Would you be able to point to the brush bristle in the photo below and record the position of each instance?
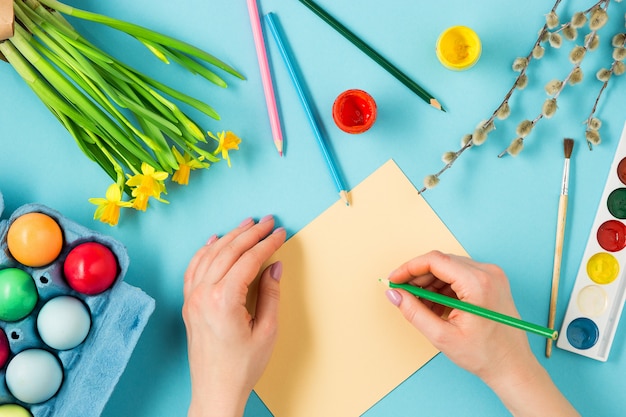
(568, 145)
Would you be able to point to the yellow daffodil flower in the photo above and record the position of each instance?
(185, 165)
(227, 141)
(145, 185)
(108, 210)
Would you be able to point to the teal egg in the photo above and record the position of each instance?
(18, 294)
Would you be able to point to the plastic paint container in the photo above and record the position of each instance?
(458, 48)
(354, 111)
(599, 292)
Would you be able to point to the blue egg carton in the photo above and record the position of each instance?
(118, 317)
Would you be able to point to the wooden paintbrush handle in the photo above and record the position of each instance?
(556, 272)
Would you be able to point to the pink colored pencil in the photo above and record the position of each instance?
(266, 77)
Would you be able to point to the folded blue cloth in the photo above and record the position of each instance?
(119, 315)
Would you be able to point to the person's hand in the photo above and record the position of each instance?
(474, 343)
(499, 354)
(229, 347)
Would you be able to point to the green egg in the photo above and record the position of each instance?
(18, 294)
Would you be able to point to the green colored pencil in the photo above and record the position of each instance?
(378, 58)
(474, 309)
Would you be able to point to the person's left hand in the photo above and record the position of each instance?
(228, 346)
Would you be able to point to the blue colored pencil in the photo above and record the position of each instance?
(273, 25)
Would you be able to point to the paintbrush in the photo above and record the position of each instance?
(568, 145)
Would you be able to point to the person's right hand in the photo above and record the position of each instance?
(499, 354)
(474, 343)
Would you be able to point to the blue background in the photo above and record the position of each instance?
(501, 210)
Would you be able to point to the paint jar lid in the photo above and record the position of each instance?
(354, 111)
(458, 48)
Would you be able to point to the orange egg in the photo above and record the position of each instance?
(35, 239)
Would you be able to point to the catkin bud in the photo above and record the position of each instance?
(577, 54)
(480, 136)
(592, 40)
(521, 82)
(619, 40)
(593, 137)
(524, 128)
(594, 123)
(570, 33)
(488, 126)
(552, 20)
(578, 20)
(555, 40)
(543, 35)
(576, 76)
(538, 52)
(520, 63)
(448, 157)
(515, 147)
(503, 111)
(619, 68)
(549, 107)
(553, 87)
(598, 19)
(603, 75)
(466, 139)
(619, 53)
(431, 181)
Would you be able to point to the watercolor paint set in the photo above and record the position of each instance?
(599, 292)
(66, 334)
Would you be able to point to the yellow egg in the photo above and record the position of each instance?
(14, 410)
(35, 239)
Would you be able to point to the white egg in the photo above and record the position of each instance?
(63, 322)
(34, 376)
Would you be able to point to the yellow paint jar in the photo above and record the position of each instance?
(458, 48)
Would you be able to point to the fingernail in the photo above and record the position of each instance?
(212, 239)
(394, 296)
(276, 270)
(266, 218)
(246, 222)
(278, 229)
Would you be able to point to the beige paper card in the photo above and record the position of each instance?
(342, 346)
(6, 19)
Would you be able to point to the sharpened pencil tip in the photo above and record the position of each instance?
(435, 103)
(344, 196)
(279, 146)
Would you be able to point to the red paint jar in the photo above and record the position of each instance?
(354, 111)
(611, 235)
(621, 171)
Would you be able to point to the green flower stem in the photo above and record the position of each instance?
(194, 66)
(83, 73)
(84, 84)
(70, 92)
(93, 150)
(73, 121)
(199, 105)
(62, 52)
(43, 90)
(142, 33)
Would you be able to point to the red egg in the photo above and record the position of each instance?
(4, 348)
(90, 268)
